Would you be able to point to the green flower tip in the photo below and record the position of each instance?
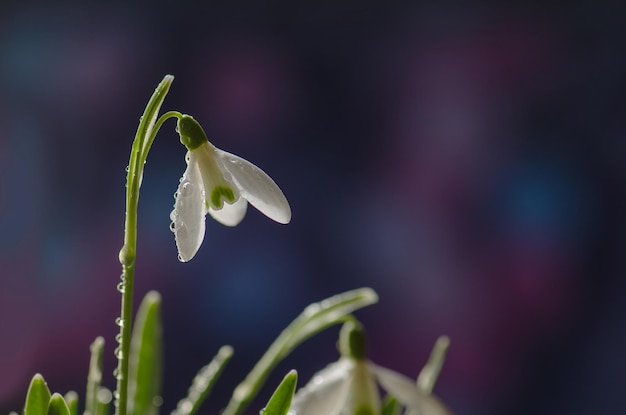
(191, 133)
(220, 192)
(352, 341)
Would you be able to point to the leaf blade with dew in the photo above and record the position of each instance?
(146, 358)
(318, 316)
(57, 405)
(71, 398)
(203, 383)
(315, 318)
(94, 377)
(280, 401)
(37, 397)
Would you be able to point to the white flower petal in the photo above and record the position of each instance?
(230, 215)
(327, 393)
(406, 391)
(189, 211)
(364, 396)
(255, 186)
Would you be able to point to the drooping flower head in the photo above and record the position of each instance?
(220, 184)
(350, 385)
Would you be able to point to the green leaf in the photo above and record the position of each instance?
(315, 318)
(38, 397)
(57, 405)
(146, 358)
(319, 316)
(280, 401)
(429, 374)
(94, 378)
(203, 383)
(391, 406)
(71, 398)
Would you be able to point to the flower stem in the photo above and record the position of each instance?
(148, 127)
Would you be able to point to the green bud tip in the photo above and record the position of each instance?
(191, 133)
(352, 341)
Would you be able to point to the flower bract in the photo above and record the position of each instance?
(220, 184)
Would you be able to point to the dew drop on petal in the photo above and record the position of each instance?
(185, 189)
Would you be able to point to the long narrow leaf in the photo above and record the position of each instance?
(280, 401)
(94, 378)
(38, 397)
(146, 358)
(428, 375)
(315, 318)
(204, 382)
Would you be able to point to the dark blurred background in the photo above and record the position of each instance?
(468, 163)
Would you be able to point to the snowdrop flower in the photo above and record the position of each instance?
(349, 386)
(220, 184)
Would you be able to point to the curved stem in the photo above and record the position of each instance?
(153, 133)
(148, 127)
